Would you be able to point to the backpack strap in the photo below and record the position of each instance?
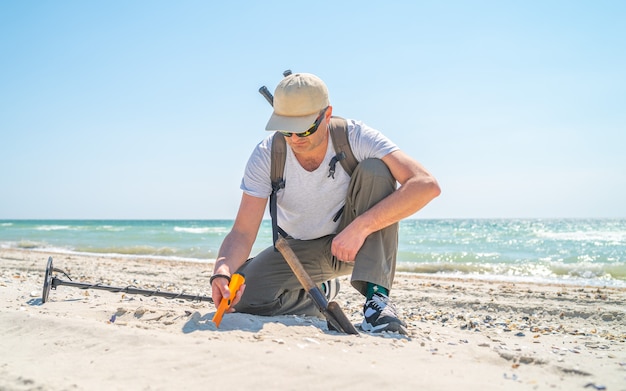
(339, 133)
(278, 157)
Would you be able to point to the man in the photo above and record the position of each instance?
(336, 224)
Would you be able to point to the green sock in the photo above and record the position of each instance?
(373, 288)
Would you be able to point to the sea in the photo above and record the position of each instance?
(563, 251)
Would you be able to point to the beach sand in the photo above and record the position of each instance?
(465, 334)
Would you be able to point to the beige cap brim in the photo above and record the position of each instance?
(291, 124)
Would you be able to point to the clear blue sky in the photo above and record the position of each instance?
(149, 109)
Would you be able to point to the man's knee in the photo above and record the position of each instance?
(373, 166)
(374, 175)
(371, 182)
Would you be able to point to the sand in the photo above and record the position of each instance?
(465, 334)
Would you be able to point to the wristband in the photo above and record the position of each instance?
(213, 277)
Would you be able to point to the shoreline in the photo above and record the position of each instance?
(614, 283)
(463, 333)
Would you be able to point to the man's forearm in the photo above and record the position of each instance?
(233, 253)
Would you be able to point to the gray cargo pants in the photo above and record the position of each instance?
(273, 289)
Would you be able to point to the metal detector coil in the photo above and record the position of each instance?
(47, 281)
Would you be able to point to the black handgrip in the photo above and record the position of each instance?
(267, 95)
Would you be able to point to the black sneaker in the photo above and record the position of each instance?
(330, 288)
(380, 315)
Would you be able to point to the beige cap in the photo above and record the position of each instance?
(298, 100)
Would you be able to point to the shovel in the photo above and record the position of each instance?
(332, 311)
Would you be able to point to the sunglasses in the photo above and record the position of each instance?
(310, 130)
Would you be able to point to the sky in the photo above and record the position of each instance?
(150, 109)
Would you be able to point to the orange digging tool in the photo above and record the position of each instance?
(236, 281)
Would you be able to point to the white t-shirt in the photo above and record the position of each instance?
(310, 200)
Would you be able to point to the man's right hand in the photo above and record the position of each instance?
(220, 292)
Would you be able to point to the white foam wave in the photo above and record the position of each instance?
(586, 236)
(111, 228)
(54, 228)
(554, 271)
(201, 230)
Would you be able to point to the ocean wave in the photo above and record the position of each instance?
(55, 228)
(130, 250)
(150, 251)
(586, 236)
(582, 273)
(33, 245)
(110, 228)
(86, 228)
(29, 244)
(202, 230)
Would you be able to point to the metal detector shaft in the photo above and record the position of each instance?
(129, 289)
(51, 282)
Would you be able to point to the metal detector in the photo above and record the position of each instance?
(52, 281)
